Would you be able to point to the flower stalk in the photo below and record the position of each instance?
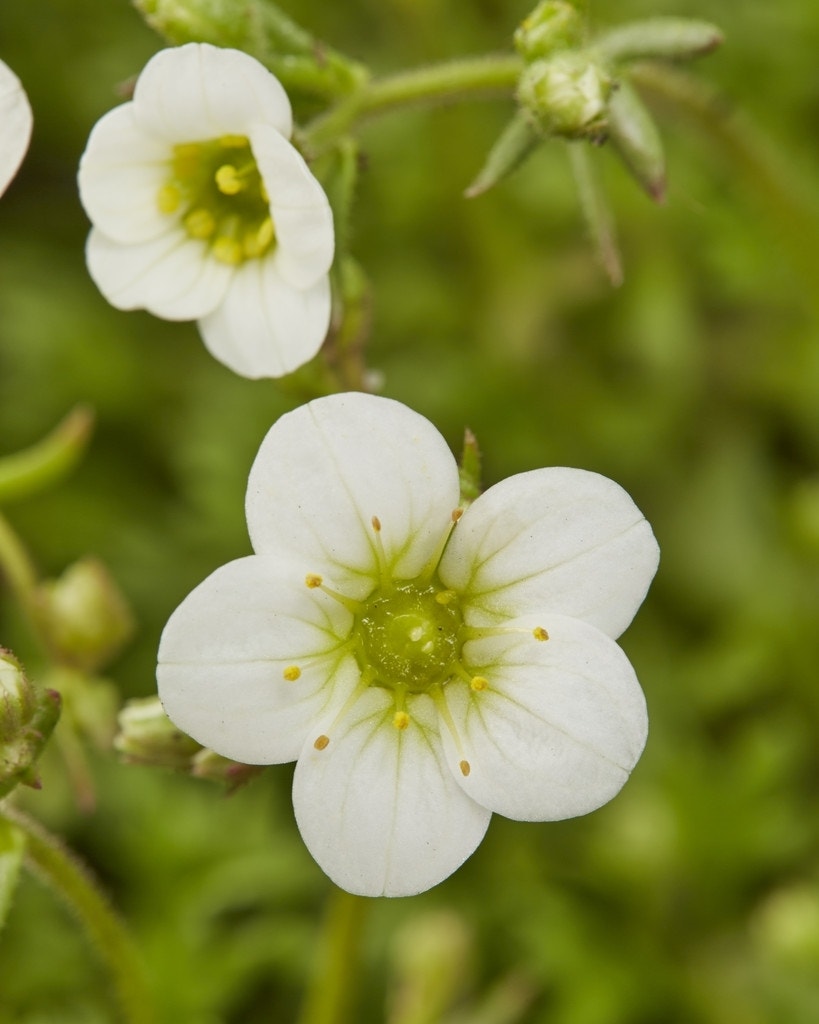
(50, 861)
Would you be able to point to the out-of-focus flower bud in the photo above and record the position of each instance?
(84, 615)
(147, 736)
(231, 774)
(514, 144)
(634, 135)
(27, 718)
(552, 25)
(567, 95)
(659, 39)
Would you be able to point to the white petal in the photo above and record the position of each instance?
(224, 651)
(121, 172)
(377, 807)
(300, 209)
(171, 276)
(197, 92)
(560, 727)
(325, 469)
(264, 327)
(15, 125)
(553, 540)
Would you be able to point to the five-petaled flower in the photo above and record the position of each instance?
(425, 665)
(15, 125)
(203, 210)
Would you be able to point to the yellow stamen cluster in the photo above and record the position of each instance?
(216, 190)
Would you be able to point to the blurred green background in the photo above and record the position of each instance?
(694, 896)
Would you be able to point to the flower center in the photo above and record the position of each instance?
(216, 190)
(409, 635)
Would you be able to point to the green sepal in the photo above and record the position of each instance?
(469, 469)
(28, 715)
(659, 39)
(517, 140)
(45, 463)
(634, 135)
(12, 848)
(300, 61)
(596, 212)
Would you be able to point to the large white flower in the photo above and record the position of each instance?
(424, 667)
(15, 125)
(203, 210)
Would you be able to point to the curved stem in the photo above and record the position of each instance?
(439, 83)
(47, 858)
(329, 998)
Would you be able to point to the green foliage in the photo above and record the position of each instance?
(694, 897)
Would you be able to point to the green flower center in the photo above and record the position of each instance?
(410, 636)
(216, 190)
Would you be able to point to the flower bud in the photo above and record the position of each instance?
(84, 615)
(27, 718)
(552, 25)
(147, 736)
(567, 95)
(231, 774)
(659, 39)
(634, 135)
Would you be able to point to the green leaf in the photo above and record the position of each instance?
(12, 847)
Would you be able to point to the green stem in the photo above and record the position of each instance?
(47, 858)
(439, 83)
(329, 998)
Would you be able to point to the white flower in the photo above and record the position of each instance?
(202, 210)
(15, 125)
(425, 668)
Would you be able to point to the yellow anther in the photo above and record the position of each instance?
(321, 742)
(292, 673)
(445, 597)
(313, 580)
(227, 250)
(233, 141)
(456, 514)
(228, 180)
(479, 683)
(258, 240)
(539, 633)
(465, 768)
(376, 524)
(200, 223)
(263, 191)
(401, 720)
(169, 198)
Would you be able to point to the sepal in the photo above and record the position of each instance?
(634, 135)
(517, 140)
(659, 39)
(28, 715)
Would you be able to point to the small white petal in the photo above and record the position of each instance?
(325, 469)
(15, 125)
(264, 327)
(559, 728)
(556, 540)
(224, 651)
(301, 212)
(121, 173)
(197, 92)
(171, 276)
(378, 808)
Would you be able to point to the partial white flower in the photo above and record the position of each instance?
(203, 210)
(424, 666)
(15, 125)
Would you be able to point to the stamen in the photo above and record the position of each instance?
(465, 768)
(200, 223)
(321, 742)
(316, 582)
(229, 180)
(233, 141)
(433, 563)
(169, 198)
(227, 250)
(292, 673)
(384, 574)
(258, 240)
(540, 633)
(479, 683)
(437, 695)
(482, 632)
(401, 720)
(446, 597)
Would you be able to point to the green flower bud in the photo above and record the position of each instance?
(84, 615)
(634, 135)
(659, 39)
(567, 95)
(27, 718)
(147, 736)
(231, 774)
(552, 25)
